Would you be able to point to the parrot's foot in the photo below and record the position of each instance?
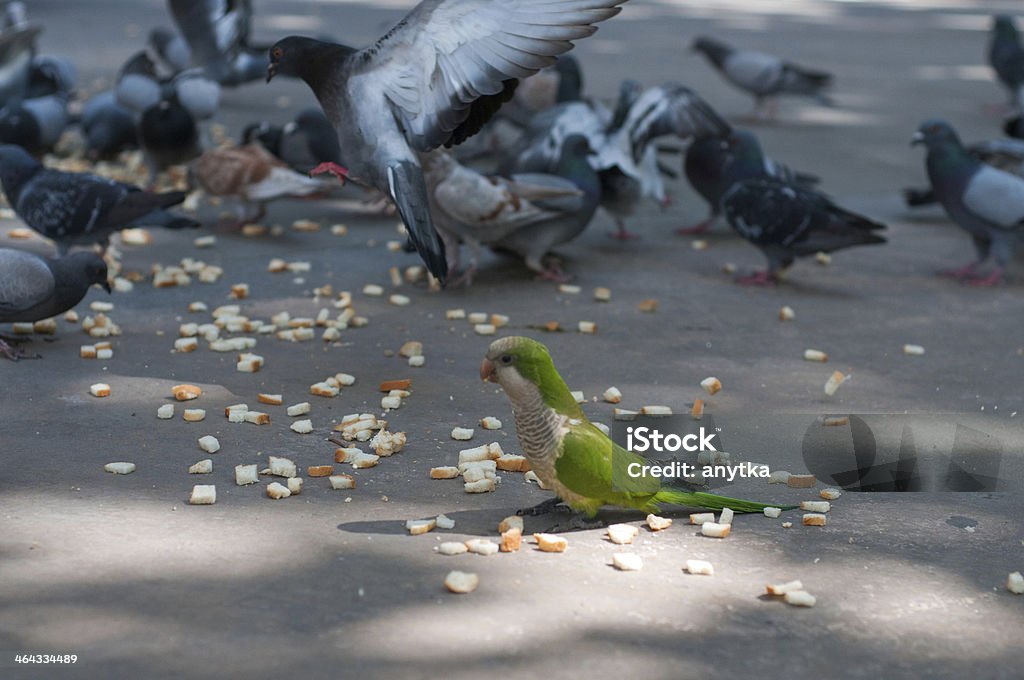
(992, 279)
(759, 278)
(960, 272)
(15, 354)
(332, 168)
(544, 507)
(576, 523)
(699, 228)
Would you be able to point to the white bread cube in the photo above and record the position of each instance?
(621, 534)
(209, 444)
(255, 417)
(300, 409)
(415, 527)
(799, 598)
(446, 472)
(246, 474)
(658, 523)
(461, 582)
(487, 467)
(1015, 583)
(194, 415)
(482, 546)
(587, 327)
(386, 443)
(711, 385)
(511, 463)
(276, 490)
(452, 548)
(485, 329)
(511, 540)
(272, 399)
(203, 494)
(282, 467)
(726, 516)
(165, 412)
(602, 294)
(786, 313)
(186, 345)
(202, 467)
(916, 350)
(399, 300)
(87, 351)
(454, 314)
(445, 522)
(697, 412)
(815, 506)
(99, 390)
(480, 486)
(834, 381)
(655, 410)
(772, 512)
(778, 477)
(476, 318)
(815, 355)
(715, 530)
(623, 414)
(304, 426)
(830, 494)
(120, 468)
(462, 433)
(815, 519)
(490, 423)
(783, 588)
(373, 289)
(801, 481)
(342, 481)
(700, 567)
(389, 403)
(550, 543)
(627, 561)
(612, 395)
(499, 320)
(702, 517)
(363, 460)
(295, 485)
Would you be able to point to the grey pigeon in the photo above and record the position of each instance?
(431, 81)
(762, 75)
(303, 144)
(36, 124)
(49, 75)
(1006, 57)
(168, 135)
(475, 209)
(986, 202)
(33, 288)
(713, 164)
(535, 241)
(17, 49)
(786, 222)
(217, 34)
(138, 84)
(108, 127)
(78, 208)
(626, 157)
(1005, 154)
(171, 48)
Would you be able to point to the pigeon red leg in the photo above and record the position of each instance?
(621, 233)
(759, 278)
(701, 227)
(332, 168)
(961, 272)
(992, 279)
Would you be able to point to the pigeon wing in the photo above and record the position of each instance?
(25, 281)
(996, 197)
(449, 64)
(61, 204)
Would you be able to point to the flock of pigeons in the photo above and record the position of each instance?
(469, 117)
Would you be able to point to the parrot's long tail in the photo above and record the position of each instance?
(712, 501)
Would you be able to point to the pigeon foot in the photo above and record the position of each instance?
(332, 168)
(961, 272)
(992, 279)
(759, 278)
(15, 354)
(701, 227)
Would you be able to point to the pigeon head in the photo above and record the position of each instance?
(711, 48)
(81, 270)
(19, 126)
(745, 145)
(17, 166)
(1003, 26)
(935, 134)
(306, 58)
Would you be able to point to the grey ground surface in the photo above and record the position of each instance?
(122, 572)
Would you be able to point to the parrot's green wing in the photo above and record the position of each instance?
(592, 465)
(595, 467)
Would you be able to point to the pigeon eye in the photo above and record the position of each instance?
(277, 53)
(506, 359)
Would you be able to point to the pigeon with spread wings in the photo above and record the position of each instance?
(441, 73)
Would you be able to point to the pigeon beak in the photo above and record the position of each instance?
(487, 372)
(918, 138)
(106, 287)
(271, 71)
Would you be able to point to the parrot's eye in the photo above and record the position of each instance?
(506, 359)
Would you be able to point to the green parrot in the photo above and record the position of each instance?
(579, 462)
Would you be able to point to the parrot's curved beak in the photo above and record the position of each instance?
(487, 372)
(918, 138)
(271, 71)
